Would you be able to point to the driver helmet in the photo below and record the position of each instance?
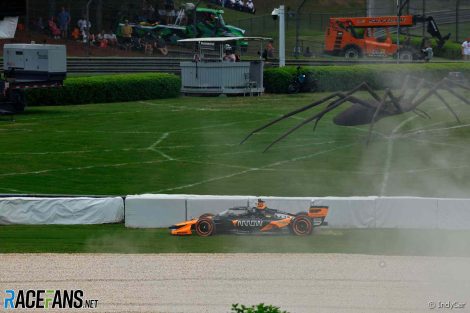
(228, 47)
(261, 205)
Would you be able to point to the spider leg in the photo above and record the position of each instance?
(434, 91)
(418, 88)
(457, 84)
(374, 117)
(421, 113)
(395, 101)
(287, 115)
(457, 95)
(448, 106)
(449, 88)
(320, 115)
(420, 100)
(363, 85)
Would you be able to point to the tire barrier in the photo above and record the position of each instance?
(61, 210)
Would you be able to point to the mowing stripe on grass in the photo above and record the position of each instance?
(78, 168)
(210, 180)
(153, 147)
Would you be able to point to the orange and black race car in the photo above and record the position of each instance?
(248, 220)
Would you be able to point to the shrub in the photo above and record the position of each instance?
(108, 88)
(260, 308)
(336, 78)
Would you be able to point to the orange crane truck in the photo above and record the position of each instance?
(354, 37)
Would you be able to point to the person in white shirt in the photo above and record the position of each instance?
(250, 7)
(229, 55)
(466, 49)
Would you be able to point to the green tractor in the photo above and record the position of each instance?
(191, 22)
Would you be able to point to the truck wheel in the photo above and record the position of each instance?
(406, 56)
(205, 227)
(302, 226)
(352, 53)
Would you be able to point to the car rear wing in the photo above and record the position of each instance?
(318, 214)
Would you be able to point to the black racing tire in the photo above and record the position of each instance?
(302, 225)
(352, 52)
(205, 227)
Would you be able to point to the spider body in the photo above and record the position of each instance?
(363, 112)
(357, 115)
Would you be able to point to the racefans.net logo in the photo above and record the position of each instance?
(47, 299)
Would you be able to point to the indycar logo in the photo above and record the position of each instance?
(249, 223)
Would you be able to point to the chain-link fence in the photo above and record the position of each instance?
(304, 31)
(452, 16)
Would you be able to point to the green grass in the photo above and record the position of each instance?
(191, 145)
(118, 239)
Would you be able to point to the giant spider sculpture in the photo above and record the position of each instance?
(363, 112)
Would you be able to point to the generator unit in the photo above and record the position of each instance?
(28, 66)
(34, 63)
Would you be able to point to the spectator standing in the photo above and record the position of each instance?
(466, 49)
(250, 6)
(170, 11)
(268, 52)
(229, 55)
(162, 15)
(84, 27)
(55, 31)
(427, 51)
(161, 45)
(308, 53)
(174, 39)
(111, 38)
(126, 32)
(64, 22)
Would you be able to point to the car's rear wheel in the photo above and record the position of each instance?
(302, 226)
(205, 227)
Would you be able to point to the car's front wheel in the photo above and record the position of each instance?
(205, 227)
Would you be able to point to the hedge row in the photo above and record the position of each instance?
(334, 78)
(108, 88)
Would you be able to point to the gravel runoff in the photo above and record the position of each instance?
(313, 283)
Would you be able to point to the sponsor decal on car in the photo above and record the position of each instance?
(250, 223)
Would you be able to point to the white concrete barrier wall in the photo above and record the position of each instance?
(81, 210)
(345, 212)
(353, 212)
(151, 211)
(453, 213)
(406, 212)
(197, 206)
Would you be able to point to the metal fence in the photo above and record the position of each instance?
(451, 15)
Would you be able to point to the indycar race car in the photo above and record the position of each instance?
(259, 219)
